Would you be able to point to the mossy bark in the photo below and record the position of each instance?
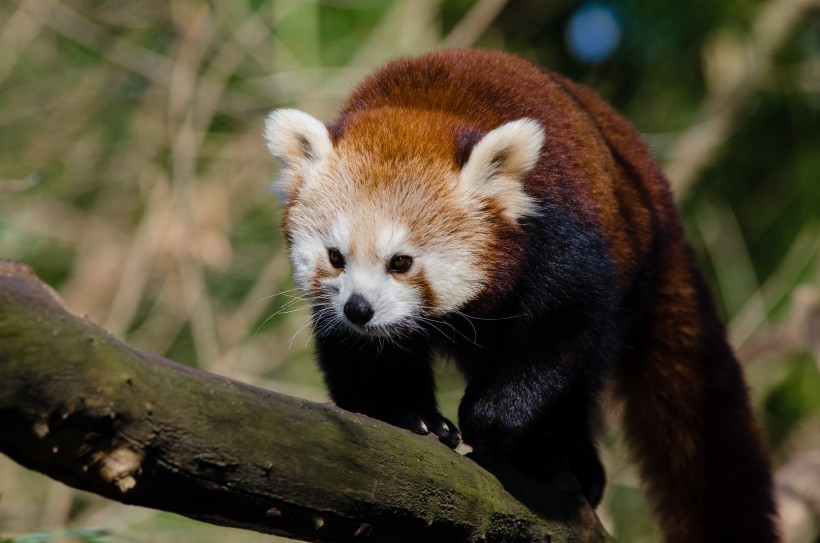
(96, 414)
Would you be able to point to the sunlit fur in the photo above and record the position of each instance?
(548, 258)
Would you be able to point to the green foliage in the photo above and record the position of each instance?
(792, 400)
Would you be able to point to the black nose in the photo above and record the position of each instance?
(357, 310)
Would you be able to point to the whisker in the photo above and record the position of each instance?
(474, 341)
(475, 332)
(274, 295)
(284, 310)
(308, 321)
(471, 317)
(264, 322)
(310, 334)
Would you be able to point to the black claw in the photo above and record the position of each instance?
(427, 423)
(452, 439)
(420, 427)
(447, 433)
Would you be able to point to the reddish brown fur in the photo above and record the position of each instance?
(687, 415)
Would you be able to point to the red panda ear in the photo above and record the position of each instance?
(299, 141)
(500, 161)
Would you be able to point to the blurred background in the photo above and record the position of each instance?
(133, 178)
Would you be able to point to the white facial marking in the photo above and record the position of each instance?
(305, 253)
(454, 276)
(392, 240)
(339, 236)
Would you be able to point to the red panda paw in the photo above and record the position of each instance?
(427, 423)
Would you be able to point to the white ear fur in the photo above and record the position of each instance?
(299, 141)
(499, 162)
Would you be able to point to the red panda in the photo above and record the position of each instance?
(473, 204)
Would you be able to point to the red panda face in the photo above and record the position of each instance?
(385, 231)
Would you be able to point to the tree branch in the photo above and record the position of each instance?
(94, 413)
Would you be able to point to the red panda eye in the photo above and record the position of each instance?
(336, 258)
(400, 263)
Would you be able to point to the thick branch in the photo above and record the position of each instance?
(90, 411)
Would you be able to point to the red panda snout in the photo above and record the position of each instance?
(369, 299)
(358, 310)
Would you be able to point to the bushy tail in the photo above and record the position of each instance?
(687, 417)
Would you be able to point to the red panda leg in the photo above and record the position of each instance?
(391, 383)
(688, 421)
(536, 411)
